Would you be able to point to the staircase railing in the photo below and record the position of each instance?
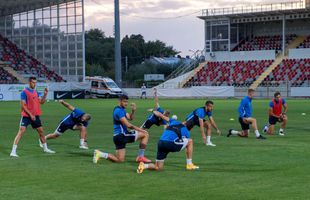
(195, 60)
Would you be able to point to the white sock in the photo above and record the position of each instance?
(104, 155)
(14, 148)
(189, 161)
(82, 142)
(233, 132)
(281, 130)
(208, 139)
(257, 133)
(146, 166)
(44, 146)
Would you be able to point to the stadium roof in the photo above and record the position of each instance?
(295, 7)
(9, 7)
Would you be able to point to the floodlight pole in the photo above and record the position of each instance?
(118, 61)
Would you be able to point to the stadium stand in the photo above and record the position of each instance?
(305, 43)
(235, 73)
(6, 77)
(264, 43)
(25, 64)
(293, 71)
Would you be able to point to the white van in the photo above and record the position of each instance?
(103, 87)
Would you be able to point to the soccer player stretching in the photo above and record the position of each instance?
(153, 119)
(175, 138)
(197, 117)
(31, 112)
(276, 114)
(245, 117)
(76, 120)
(122, 136)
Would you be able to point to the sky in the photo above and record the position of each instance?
(174, 22)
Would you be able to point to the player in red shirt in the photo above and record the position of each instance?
(277, 114)
(31, 102)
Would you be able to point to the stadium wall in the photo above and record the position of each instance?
(299, 53)
(241, 55)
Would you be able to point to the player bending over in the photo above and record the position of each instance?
(30, 103)
(197, 117)
(276, 114)
(153, 119)
(175, 138)
(76, 120)
(122, 135)
(245, 117)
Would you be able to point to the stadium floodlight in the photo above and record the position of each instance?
(118, 61)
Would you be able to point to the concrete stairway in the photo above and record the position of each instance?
(195, 71)
(13, 72)
(294, 44)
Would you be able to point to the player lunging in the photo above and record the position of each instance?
(175, 138)
(76, 120)
(276, 114)
(31, 102)
(122, 136)
(153, 119)
(245, 117)
(197, 117)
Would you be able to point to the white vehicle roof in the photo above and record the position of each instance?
(99, 78)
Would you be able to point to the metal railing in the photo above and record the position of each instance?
(300, 4)
(195, 60)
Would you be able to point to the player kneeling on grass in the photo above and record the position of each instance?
(122, 136)
(197, 117)
(153, 119)
(276, 114)
(175, 138)
(245, 117)
(76, 120)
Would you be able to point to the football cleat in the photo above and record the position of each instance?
(191, 167)
(211, 144)
(13, 155)
(49, 151)
(83, 147)
(281, 134)
(142, 159)
(96, 156)
(40, 143)
(140, 168)
(229, 133)
(265, 129)
(261, 137)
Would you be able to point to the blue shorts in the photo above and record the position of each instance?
(62, 127)
(165, 147)
(191, 123)
(120, 140)
(273, 120)
(25, 121)
(243, 125)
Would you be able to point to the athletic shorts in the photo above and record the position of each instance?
(62, 127)
(273, 120)
(244, 126)
(121, 140)
(165, 147)
(148, 124)
(25, 121)
(191, 123)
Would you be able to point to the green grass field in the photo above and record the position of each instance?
(238, 168)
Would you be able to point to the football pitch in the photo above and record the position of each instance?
(237, 168)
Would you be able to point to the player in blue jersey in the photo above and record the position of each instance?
(76, 120)
(122, 135)
(197, 117)
(245, 117)
(175, 138)
(153, 119)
